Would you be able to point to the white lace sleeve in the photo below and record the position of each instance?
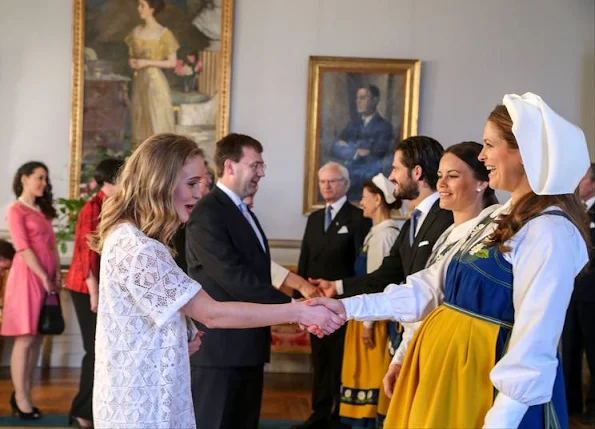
(155, 282)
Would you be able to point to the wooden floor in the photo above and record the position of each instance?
(286, 396)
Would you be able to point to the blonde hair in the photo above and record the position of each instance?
(145, 188)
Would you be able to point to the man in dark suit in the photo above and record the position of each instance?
(228, 254)
(415, 174)
(579, 328)
(365, 142)
(332, 240)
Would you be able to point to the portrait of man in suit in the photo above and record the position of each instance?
(332, 240)
(227, 252)
(364, 143)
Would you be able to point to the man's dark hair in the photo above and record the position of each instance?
(425, 152)
(374, 91)
(6, 250)
(107, 171)
(231, 147)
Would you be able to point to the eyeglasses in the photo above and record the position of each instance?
(330, 182)
(255, 166)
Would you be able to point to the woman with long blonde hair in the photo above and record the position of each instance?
(142, 370)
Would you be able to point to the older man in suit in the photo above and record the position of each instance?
(228, 254)
(332, 240)
(579, 328)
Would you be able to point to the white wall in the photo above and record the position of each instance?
(472, 51)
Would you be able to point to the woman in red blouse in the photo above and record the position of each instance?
(83, 282)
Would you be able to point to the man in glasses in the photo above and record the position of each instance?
(228, 254)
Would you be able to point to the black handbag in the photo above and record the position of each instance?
(51, 321)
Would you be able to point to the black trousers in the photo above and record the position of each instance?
(82, 404)
(578, 336)
(327, 361)
(227, 398)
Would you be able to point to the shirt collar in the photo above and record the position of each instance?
(366, 119)
(426, 205)
(231, 194)
(337, 205)
(589, 203)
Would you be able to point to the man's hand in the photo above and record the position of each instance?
(326, 286)
(300, 284)
(368, 337)
(390, 379)
(194, 345)
(362, 152)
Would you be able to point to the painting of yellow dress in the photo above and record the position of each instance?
(143, 67)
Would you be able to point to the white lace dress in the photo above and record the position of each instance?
(142, 368)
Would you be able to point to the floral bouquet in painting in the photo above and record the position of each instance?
(189, 69)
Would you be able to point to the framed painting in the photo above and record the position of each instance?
(357, 109)
(142, 67)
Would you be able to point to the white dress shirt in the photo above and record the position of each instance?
(278, 274)
(336, 206)
(546, 255)
(589, 203)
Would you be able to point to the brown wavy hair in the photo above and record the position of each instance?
(145, 190)
(531, 204)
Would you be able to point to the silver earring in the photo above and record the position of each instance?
(478, 189)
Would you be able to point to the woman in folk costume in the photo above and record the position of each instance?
(365, 352)
(486, 354)
(463, 186)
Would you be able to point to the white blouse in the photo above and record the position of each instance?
(142, 367)
(546, 255)
(443, 251)
(377, 245)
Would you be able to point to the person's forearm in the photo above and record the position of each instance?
(227, 315)
(163, 64)
(92, 284)
(31, 260)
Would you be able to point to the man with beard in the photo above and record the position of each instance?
(228, 254)
(415, 174)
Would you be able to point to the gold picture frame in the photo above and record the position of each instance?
(359, 137)
(212, 80)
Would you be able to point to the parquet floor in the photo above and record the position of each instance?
(286, 396)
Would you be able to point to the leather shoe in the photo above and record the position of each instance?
(588, 417)
(313, 422)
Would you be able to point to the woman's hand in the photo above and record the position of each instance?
(194, 345)
(48, 285)
(138, 63)
(94, 298)
(390, 379)
(319, 319)
(368, 337)
(309, 291)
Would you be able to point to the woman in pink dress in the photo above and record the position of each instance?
(35, 272)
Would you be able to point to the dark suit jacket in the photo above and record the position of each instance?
(403, 259)
(226, 258)
(330, 255)
(584, 287)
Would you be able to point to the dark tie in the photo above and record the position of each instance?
(414, 216)
(328, 219)
(244, 209)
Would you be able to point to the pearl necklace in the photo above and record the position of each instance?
(31, 206)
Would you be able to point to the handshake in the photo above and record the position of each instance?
(321, 316)
(313, 288)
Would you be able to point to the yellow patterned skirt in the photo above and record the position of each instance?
(444, 381)
(362, 373)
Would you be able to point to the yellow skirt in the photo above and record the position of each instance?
(445, 379)
(363, 371)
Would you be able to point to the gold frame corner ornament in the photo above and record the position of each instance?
(78, 77)
(410, 68)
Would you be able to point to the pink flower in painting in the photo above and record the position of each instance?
(179, 67)
(191, 58)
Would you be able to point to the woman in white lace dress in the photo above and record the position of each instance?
(142, 370)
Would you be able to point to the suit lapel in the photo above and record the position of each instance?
(240, 219)
(342, 218)
(425, 227)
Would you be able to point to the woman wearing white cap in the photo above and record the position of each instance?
(486, 354)
(365, 355)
